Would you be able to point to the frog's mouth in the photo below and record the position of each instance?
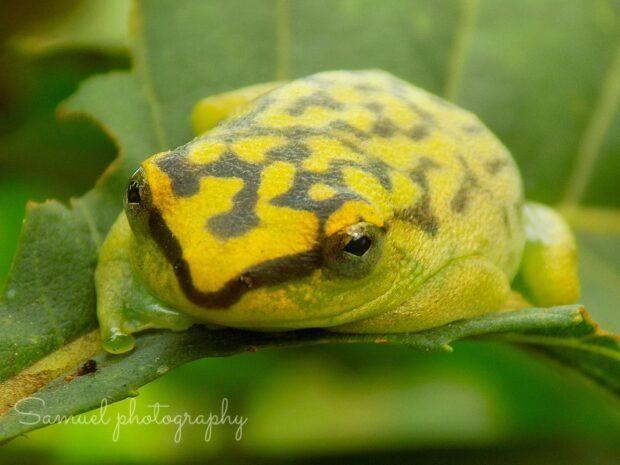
(270, 272)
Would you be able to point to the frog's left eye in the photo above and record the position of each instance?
(136, 189)
(138, 202)
(355, 251)
(133, 192)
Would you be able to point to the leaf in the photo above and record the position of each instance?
(549, 93)
(188, 49)
(119, 377)
(72, 154)
(599, 255)
(49, 298)
(92, 24)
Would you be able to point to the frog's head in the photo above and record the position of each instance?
(259, 245)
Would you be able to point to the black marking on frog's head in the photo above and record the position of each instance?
(469, 182)
(242, 217)
(494, 166)
(270, 272)
(298, 197)
(473, 128)
(400, 89)
(384, 127)
(320, 98)
(421, 214)
(425, 115)
(506, 220)
(366, 88)
(460, 199)
(375, 107)
(419, 131)
(341, 125)
(294, 151)
(185, 177)
(249, 118)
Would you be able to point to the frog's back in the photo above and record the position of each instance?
(336, 142)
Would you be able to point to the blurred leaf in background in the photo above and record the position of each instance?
(544, 75)
(316, 402)
(46, 49)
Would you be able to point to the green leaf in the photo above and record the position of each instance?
(473, 52)
(119, 377)
(93, 24)
(49, 299)
(41, 157)
(549, 92)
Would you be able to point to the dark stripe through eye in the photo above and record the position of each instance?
(358, 246)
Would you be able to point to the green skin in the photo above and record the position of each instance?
(386, 289)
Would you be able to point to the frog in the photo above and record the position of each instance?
(350, 201)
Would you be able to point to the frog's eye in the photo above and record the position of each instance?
(358, 245)
(138, 202)
(133, 192)
(355, 251)
(135, 189)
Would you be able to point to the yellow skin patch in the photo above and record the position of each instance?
(319, 192)
(349, 200)
(231, 257)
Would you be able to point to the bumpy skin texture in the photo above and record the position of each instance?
(247, 225)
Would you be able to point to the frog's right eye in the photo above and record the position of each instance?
(355, 251)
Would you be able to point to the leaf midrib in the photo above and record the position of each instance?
(595, 131)
(143, 73)
(461, 45)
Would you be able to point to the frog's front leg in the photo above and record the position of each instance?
(464, 288)
(124, 306)
(211, 110)
(548, 272)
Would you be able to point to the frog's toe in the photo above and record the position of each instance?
(210, 111)
(119, 343)
(548, 274)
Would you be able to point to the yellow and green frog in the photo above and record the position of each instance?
(346, 200)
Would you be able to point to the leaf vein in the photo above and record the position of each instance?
(143, 71)
(460, 46)
(595, 132)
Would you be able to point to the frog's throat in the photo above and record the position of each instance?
(270, 272)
